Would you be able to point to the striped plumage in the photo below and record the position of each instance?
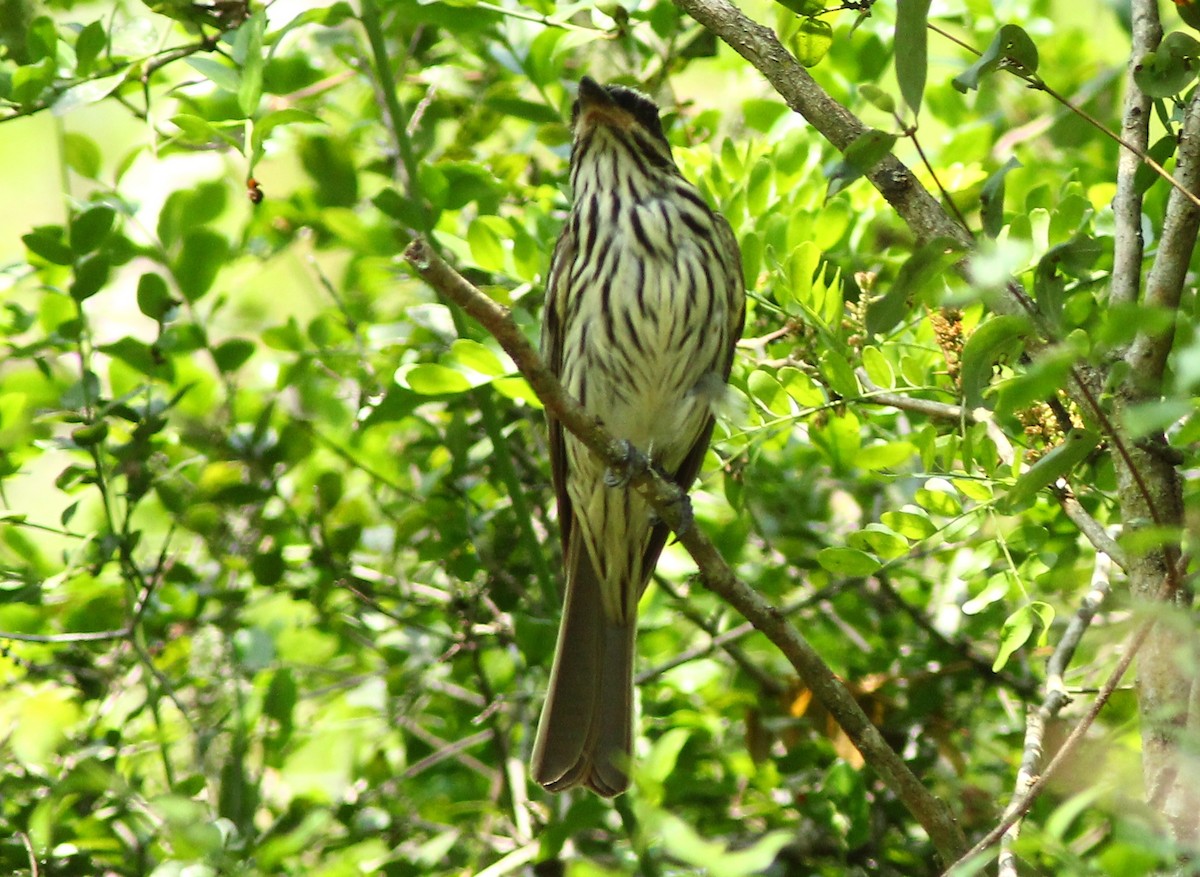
(644, 306)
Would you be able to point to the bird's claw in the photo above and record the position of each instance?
(687, 519)
(632, 465)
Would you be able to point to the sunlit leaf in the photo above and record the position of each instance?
(911, 40)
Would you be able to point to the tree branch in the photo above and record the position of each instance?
(1128, 245)
(1021, 806)
(1150, 490)
(668, 500)
(1056, 698)
(759, 45)
(1147, 355)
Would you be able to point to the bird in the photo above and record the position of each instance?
(645, 303)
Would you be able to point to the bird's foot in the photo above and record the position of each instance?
(633, 464)
(687, 518)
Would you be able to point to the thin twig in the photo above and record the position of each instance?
(725, 639)
(766, 682)
(445, 750)
(1092, 529)
(33, 863)
(89, 636)
(1036, 82)
(1021, 806)
(981, 665)
(1055, 700)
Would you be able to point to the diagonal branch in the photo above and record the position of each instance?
(668, 501)
(759, 45)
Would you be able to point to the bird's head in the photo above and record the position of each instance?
(604, 115)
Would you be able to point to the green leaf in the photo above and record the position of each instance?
(232, 354)
(285, 337)
(477, 357)
(88, 92)
(980, 491)
(839, 374)
(530, 111)
(138, 355)
(1010, 47)
(761, 115)
(939, 498)
(403, 209)
(82, 155)
(89, 228)
(1156, 415)
(153, 297)
(279, 703)
(991, 199)
(264, 125)
(757, 858)
(29, 81)
(766, 390)
(1058, 463)
(41, 38)
(918, 275)
(47, 241)
(885, 455)
(328, 161)
(660, 763)
(248, 49)
(434, 379)
(1169, 69)
(198, 131)
(879, 541)
(840, 439)
(1189, 11)
(758, 187)
(485, 237)
(877, 367)
(801, 387)
(997, 337)
(877, 97)
(811, 42)
(867, 150)
(91, 273)
(1019, 626)
(190, 208)
(911, 52)
(806, 8)
(200, 259)
(911, 525)
(848, 562)
(219, 74)
(543, 60)
(88, 46)
(92, 434)
(1161, 151)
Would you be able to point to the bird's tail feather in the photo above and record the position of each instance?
(585, 732)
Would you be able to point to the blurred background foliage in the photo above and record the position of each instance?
(278, 573)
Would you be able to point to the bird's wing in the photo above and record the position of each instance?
(690, 467)
(552, 342)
